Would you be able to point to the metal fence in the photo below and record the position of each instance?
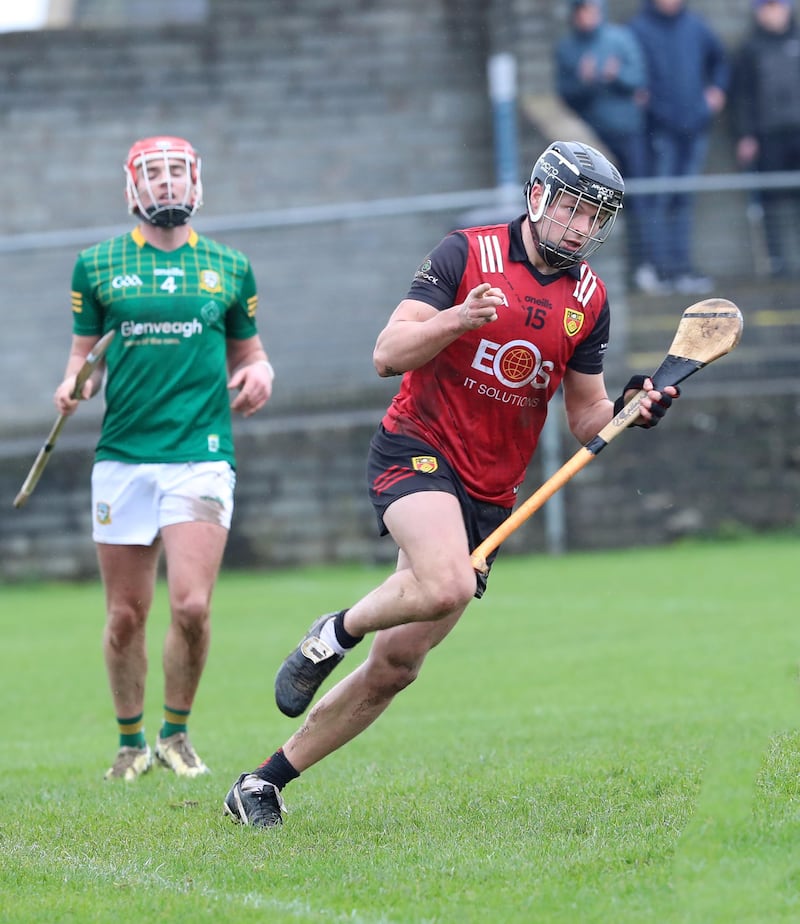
(329, 275)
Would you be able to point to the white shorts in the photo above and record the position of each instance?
(131, 503)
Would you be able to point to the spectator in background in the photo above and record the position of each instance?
(688, 74)
(765, 110)
(601, 76)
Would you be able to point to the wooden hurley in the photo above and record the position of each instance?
(43, 456)
(707, 330)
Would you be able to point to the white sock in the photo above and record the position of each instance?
(328, 635)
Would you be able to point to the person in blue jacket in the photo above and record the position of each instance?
(600, 74)
(688, 75)
(765, 108)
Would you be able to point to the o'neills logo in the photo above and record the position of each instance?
(573, 321)
(425, 464)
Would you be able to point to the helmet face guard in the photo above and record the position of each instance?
(581, 197)
(163, 184)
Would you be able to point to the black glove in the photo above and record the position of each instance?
(659, 408)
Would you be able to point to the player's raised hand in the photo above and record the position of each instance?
(480, 306)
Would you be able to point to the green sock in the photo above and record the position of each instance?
(131, 732)
(174, 721)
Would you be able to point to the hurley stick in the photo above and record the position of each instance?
(41, 460)
(707, 330)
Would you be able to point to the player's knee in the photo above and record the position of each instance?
(123, 624)
(190, 613)
(390, 675)
(449, 593)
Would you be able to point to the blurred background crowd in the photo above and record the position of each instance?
(652, 88)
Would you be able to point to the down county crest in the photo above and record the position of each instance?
(425, 464)
(573, 321)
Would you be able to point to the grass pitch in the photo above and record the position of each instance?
(604, 738)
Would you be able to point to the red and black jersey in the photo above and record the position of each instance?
(482, 401)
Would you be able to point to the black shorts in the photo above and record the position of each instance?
(398, 465)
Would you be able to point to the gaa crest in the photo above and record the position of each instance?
(573, 321)
(103, 513)
(425, 464)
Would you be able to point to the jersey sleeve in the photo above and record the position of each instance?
(589, 354)
(240, 320)
(437, 280)
(87, 312)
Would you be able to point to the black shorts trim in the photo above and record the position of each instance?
(398, 465)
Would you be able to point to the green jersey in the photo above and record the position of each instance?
(166, 385)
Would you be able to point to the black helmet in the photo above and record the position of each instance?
(581, 172)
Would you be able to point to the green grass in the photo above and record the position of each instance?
(608, 737)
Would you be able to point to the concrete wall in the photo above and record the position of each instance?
(719, 465)
(316, 103)
(291, 105)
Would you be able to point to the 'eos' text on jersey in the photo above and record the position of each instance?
(514, 364)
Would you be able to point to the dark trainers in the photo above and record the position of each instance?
(253, 801)
(303, 671)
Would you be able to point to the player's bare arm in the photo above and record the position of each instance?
(79, 350)
(586, 403)
(251, 374)
(416, 332)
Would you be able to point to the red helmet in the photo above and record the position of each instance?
(164, 208)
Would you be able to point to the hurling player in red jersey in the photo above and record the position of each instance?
(495, 320)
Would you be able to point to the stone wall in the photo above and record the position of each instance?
(718, 465)
(292, 105)
(315, 103)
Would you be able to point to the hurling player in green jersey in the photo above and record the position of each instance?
(186, 352)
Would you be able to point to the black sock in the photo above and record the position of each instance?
(345, 639)
(277, 770)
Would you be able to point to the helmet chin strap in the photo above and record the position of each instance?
(169, 217)
(533, 218)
